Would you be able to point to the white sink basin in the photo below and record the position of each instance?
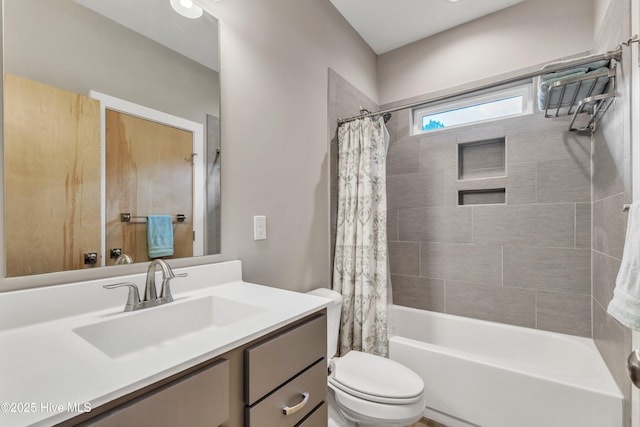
(158, 325)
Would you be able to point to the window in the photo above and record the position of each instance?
(496, 105)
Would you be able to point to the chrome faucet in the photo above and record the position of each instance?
(150, 292)
(151, 298)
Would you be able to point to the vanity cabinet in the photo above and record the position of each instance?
(200, 399)
(246, 386)
(286, 376)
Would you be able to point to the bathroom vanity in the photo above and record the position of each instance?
(225, 352)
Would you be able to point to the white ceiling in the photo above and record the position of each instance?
(155, 19)
(389, 24)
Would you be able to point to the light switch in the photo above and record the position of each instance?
(260, 227)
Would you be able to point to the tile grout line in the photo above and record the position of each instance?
(535, 181)
(420, 259)
(502, 265)
(575, 226)
(472, 228)
(444, 296)
(535, 310)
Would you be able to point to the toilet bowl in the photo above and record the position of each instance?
(366, 390)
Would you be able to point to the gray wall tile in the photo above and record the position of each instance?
(604, 273)
(550, 269)
(479, 133)
(403, 123)
(418, 292)
(494, 303)
(549, 140)
(403, 158)
(609, 225)
(611, 185)
(614, 343)
(438, 152)
(521, 183)
(415, 190)
(392, 224)
(462, 262)
(404, 258)
(583, 225)
(564, 181)
(534, 225)
(608, 164)
(564, 313)
(447, 225)
(451, 186)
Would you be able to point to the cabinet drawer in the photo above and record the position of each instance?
(271, 363)
(199, 399)
(269, 412)
(319, 417)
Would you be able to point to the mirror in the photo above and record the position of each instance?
(111, 114)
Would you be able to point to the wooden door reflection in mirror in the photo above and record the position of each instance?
(52, 177)
(149, 171)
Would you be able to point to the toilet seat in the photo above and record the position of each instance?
(376, 379)
(363, 411)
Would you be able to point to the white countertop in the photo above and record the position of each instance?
(46, 368)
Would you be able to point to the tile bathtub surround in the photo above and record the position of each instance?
(611, 189)
(524, 262)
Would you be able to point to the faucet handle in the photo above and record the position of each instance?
(165, 292)
(133, 299)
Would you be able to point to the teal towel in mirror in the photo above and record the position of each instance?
(159, 235)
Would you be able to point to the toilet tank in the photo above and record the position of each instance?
(333, 317)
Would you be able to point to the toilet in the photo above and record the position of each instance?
(366, 390)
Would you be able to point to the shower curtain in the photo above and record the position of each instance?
(360, 271)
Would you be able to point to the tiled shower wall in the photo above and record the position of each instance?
(611, 189)
(524, 262)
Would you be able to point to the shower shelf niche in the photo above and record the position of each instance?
(481, 159)
(490, 196)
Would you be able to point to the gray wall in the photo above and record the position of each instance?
(526, 262)
(612, 189)
(530, 32)
(85, 51)
(274, 60)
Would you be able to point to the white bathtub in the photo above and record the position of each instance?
(493, 375)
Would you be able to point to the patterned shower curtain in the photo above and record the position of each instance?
(360, 271)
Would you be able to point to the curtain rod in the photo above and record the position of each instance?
(614, 54)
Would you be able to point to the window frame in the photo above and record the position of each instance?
(524, 90)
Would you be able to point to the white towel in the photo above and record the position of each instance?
(625, 304)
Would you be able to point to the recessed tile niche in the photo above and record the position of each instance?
(481, 159)
(477, 160)
(491, 196)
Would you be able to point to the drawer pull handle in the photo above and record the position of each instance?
(288, 410)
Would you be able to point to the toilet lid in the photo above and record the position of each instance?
(376, 378)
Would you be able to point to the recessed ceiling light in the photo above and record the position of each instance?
(186, 8)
